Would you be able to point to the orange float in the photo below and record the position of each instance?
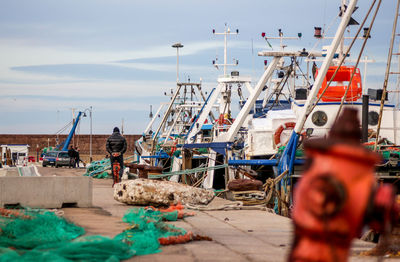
(279, 130)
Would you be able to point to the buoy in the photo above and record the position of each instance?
(279, 130)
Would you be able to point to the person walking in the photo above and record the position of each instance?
(71, 154)
(116, 146)
(77, 158)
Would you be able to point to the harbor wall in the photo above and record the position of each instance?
(39, 141)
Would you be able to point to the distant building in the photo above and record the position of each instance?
(19, 153)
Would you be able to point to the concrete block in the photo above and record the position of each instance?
(9, 171)
(46, 192)
(28, 171)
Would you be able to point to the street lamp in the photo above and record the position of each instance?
(90, 110)
(177, 46)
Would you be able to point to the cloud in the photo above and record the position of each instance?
(95, 90)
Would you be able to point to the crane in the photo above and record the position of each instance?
(65, 143)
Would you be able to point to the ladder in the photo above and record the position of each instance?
(387, 73)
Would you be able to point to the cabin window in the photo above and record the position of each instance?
(373, 118)
(319, 118)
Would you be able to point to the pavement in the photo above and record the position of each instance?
(237, 235)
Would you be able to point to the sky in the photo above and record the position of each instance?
(116, 56)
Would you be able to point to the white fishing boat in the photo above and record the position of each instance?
(341, 86)
(264, 129)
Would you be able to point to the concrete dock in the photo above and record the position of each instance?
(237, 235)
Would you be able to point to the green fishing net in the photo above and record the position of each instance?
(89, 248)
(146, 227)
(40, 235)
(299, 151)
(47, 149)
(34, 228)
(98, 169)
(177, 153)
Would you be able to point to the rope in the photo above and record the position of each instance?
(270, 185)
(385, 82)
(361, 52)
(63, 128)
(250, 197)
(188, 171)
(343, 58)
(231, 206)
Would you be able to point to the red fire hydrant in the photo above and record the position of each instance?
(338, 195)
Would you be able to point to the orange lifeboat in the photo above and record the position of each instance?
(337, 88)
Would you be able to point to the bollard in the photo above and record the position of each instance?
(338, 194)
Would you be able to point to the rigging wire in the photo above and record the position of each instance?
(359, 56)
(345, 55)
(324, 33)
(64, 127)
(385, 82)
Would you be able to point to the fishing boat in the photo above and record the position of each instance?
(341, 86)
(261, 135)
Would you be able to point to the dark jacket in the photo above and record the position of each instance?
(116, 143)
(71, 152)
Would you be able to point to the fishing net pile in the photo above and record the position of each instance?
(40, 235)
(98, 169)
(148, 231)
(102, 168)
(48, 149)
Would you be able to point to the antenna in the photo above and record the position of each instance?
(318, 33)
(151, 112)
(73, 121)
(226, 32)
(281, 38)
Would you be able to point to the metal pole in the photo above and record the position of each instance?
(312, 97)
(177, 46)
(177, 65)
(90, 139)
(364, 124)
(364, 85)
(341, 45)
(230, 135)
(164, 119)
(225, 51)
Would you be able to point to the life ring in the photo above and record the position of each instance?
(279, 130)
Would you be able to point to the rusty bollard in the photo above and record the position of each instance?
(338, 194)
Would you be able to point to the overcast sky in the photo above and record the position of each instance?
(116, 55)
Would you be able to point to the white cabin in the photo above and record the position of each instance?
(19, 153)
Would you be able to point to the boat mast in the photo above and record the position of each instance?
(341, 45)
(226, 32)
(325, 65)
